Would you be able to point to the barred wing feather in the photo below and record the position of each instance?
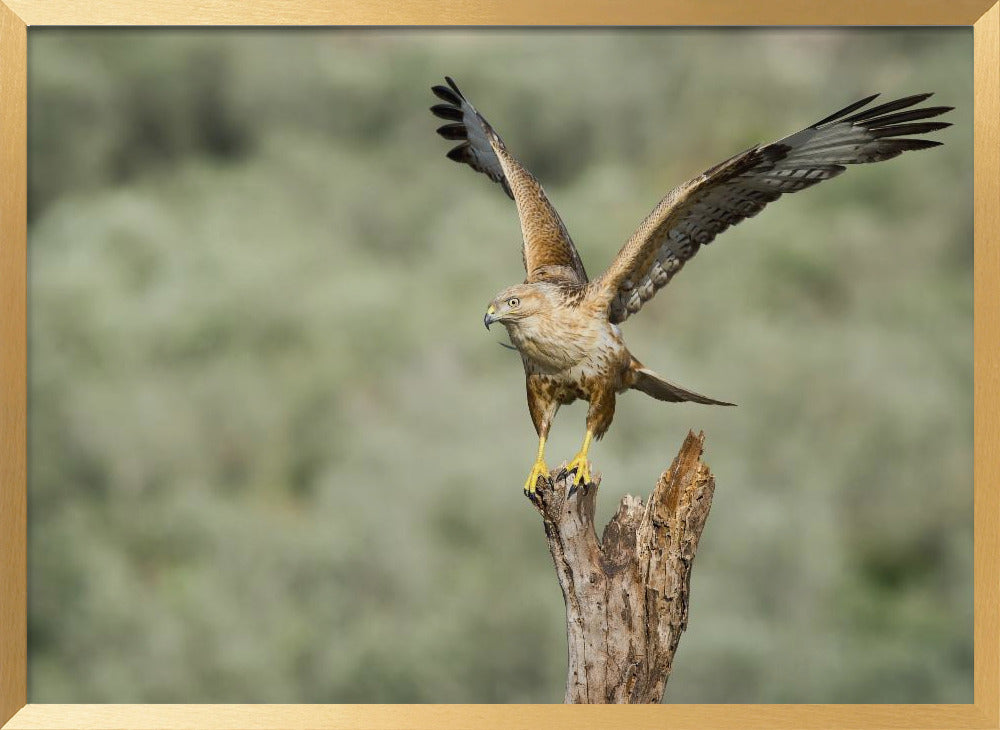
(693, 214)
(548, 251)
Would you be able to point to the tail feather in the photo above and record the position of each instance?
(652, 384)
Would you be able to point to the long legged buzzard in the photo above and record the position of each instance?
(566, 327)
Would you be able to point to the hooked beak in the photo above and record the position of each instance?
(488, 318)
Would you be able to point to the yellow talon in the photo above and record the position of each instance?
(582, 467)
(538, 470)
(581, 464)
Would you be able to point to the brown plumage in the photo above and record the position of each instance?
(565, 326)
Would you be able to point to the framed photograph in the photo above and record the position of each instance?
(260, 465)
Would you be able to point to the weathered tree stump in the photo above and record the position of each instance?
(627, 594)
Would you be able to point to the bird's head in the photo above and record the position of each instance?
(514, 304)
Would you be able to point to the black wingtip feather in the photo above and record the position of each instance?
(847, 110)
(905, 145)
(453, 131)
(909, 116)
(447, 111)
(903, 130)
(885, 124)
(890, 148)
(446, 94)
(876, 111)
(457, 154)
(454, 86)
(455, 111)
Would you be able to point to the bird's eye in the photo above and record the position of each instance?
(513, 302)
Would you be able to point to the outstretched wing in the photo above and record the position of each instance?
(548, 251)
(696, 212)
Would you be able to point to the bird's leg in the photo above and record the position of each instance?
(538, 470)
(580, 464)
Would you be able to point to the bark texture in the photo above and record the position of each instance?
(626, 594)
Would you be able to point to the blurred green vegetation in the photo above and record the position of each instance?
(274, 458)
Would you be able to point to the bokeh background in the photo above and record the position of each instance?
(275, 457)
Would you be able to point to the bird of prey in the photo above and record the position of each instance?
(565, 326)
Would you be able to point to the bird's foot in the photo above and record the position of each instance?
(581, 466)
(539, 470)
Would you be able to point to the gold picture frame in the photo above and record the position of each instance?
(15, 18)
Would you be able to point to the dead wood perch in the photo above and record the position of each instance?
(627, 595)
